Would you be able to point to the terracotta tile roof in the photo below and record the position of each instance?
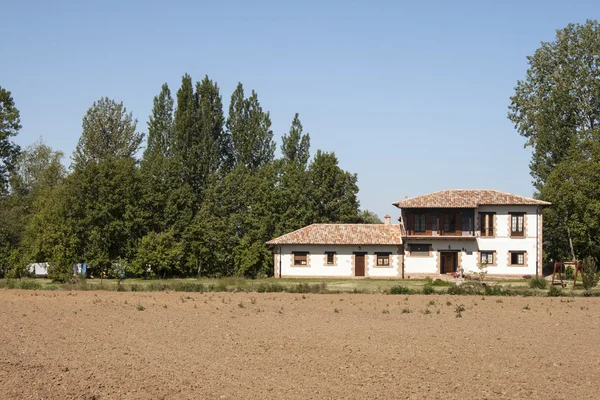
(467, 199)
(343, 234)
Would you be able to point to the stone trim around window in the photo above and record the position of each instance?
(300, 253)
(409, 252)
(335, 258)
(510, 235)
(480, 221)
(509, 260)
(383, 256)
(494, 258)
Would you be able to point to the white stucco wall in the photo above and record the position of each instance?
(502, 244)
(343, 263)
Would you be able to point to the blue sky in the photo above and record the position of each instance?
(411, 96)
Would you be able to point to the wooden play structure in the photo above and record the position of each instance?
(560, 269)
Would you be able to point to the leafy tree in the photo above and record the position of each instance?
(157, 162)
(333, 191)
(160, 254)
(10, 124)
(294, 209)
(250, 130)
(557, 109)
(368, 217)
(108, 132)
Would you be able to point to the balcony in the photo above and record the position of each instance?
(440, 223)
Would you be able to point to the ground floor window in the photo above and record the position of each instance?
(383, 260)
(517, 258)
(330, 258)
(487, 258)
(419, 250)
(300, 258)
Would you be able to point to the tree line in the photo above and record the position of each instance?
(206, 195)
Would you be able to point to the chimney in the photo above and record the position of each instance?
(387, 219)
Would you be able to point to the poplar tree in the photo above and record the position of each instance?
(10, 124)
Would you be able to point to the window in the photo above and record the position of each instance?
(300, 258)
(450, 223)
(419, 250)
(486, 224)
(383, 260)
(486, 258)
(517, 258)
(330, 257)
(517, 221)
(420, 222)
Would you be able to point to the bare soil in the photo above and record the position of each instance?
(108, 345)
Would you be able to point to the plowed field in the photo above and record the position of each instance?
(109, 345)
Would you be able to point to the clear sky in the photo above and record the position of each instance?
(410, 95)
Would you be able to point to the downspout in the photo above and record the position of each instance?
(537, 242)
(279, 261)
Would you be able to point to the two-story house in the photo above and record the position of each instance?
(459, 230)
(452, 231)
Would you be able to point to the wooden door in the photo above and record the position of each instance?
(359, 265)
(448, 262)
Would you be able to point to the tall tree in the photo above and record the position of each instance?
(250, 130)
(10, 124)
(294, 208)
(158, 163)
(557, 109)
(333, 191)
(108, 132)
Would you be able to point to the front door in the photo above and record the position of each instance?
(448, 262)
(359, 265)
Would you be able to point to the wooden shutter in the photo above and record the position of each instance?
(458, 224)
(428, 224)
(411, 224)
(442, 225)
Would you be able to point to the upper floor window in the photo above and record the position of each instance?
(420, 222)
(486, 224)
(517, 224)
(450, 223)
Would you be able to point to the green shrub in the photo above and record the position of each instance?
(538, 282)
(270, 288)
(188, 287)
(554, 291)
(455, 289)
(308, 288)
(30, 284)
(135, 288)
(441, 282)
(590, 273)
(399, 289)
(428, 289)
(495, 290)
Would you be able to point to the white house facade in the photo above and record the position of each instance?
(340, 251)
(456, 231)
(447, 232)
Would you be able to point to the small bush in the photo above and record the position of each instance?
(554, 291)
(399, 289)
(188, 287)
(495, 290)
(590, 273)
(441, 282)
(120, 288)
(140, 307)
(455, 289)
(308, 288)
(135, 288)
(428, 289)
(538, 283)
(270, 288)
(30, 284)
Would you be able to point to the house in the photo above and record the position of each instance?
(446, 232)
(340, 251)
(455, 231)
